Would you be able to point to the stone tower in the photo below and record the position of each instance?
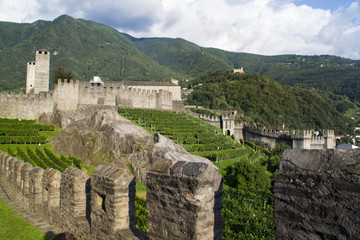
(228, 122)
(37, 79)
(30, 77)
(301, 139)
(329, 137)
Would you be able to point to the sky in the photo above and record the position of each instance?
(267, 27)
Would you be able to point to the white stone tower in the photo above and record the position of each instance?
(42, 71)
(37, 78)
(30, 77)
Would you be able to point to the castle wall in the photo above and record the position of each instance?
(69, 94)
(183, 198)
(213, 120)
(25, 106)
(171, 87)
(66, 95)
(259, 139)
(239, 131)
(265, 137)
(174, 90)
(317, 195)
(125, 97)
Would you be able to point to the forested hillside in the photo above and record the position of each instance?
(88, 48)
(266, 102)
(84, 47)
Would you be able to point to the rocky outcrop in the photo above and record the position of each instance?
(317, 195)
(101, 136)
(98, 136)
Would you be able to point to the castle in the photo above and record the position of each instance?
(296, 139)
(69, 94)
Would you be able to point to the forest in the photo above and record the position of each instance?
(265, 102)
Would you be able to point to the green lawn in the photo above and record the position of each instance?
(13, 227)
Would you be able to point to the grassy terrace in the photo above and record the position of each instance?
(29, 141)
(195, 135)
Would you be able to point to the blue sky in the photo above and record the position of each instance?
(268, 27)
(325, 4)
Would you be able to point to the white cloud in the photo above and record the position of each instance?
(257, 26)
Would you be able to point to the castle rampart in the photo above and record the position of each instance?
(183, 198)
(268, 138)
(69, 94)
(27, 106)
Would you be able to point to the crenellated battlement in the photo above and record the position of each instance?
(69, 94)
(26, 106)
(297, 139)
(301, 134)
(102, 205)
(267, 132)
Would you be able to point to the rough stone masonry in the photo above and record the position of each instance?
(317, 195)
(183, 197)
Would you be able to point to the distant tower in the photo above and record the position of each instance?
(37, 79)
(30, 77)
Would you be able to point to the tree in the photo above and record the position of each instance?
(62, 74)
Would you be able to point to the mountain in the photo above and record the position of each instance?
(88, 48)
(84, 47)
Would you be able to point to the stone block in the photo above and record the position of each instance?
(113, 194)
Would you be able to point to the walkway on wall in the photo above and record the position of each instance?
(43, 226)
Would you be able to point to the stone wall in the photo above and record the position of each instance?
(317, 195)
(265, 137)
(25, 106)
(69, 94)
(183, 198)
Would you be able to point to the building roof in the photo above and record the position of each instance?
(134, 83)
(347, 146)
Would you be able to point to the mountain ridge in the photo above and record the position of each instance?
(104, 51)
(88, 48)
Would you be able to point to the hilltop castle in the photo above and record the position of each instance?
(69, 94)
(304, 139)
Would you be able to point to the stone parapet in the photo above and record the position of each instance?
(183, 198)
(187, 190)
(110, 208)
(317, 195)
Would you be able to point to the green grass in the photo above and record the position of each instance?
(48, 134)
(225, 163)
(140, 187)
(88, 169)
(13, 226)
